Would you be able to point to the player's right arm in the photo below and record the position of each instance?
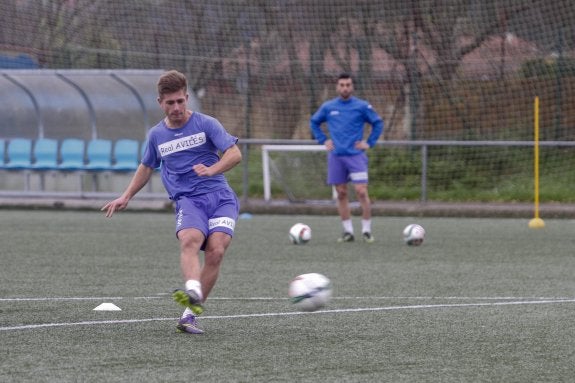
(139, 180)
(315, 122)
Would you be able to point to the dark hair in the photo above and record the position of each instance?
(344, 75)
(172, 81)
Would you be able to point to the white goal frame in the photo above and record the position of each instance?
(266, 149)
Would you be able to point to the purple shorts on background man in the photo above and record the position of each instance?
(343, 169)
(217, 211)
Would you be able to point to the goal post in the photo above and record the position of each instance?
(309, 168)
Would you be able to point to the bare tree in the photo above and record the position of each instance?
(45, 27)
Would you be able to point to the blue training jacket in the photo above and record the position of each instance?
(345, 122)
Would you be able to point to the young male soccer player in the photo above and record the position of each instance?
(187, 145)
(346, 116)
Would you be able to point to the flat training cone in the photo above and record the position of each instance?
(107, 307)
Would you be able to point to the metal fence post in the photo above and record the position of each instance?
(423, 173)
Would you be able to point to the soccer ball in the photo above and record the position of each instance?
(413, 234)
(300, 234)
(310, 292)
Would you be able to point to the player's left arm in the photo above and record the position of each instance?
(230, 158)
(376, 123)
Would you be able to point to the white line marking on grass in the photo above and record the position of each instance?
(58, 299)
(391, 308)
(291, 313)
(380, 298)
(163, 296)
(453, 298)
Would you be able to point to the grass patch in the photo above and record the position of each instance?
(480, 300)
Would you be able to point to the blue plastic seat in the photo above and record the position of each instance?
(72, 154)
(126, 154)
(99, 155)
(45, 154)
(19, 154)
(2, 153)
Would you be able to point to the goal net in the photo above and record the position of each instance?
(460, 70)
(425, 170)
(295, 172)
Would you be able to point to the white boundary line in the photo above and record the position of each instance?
(163, 296)
(261, 315)
(59, 299)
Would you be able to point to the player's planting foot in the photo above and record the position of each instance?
(189, 324)
(367, 237)
(346, 237)
(188, 299)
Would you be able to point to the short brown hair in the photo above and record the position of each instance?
(171, 82)
(344, 76)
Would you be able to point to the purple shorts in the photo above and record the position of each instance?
(211, 212)
(343, 169)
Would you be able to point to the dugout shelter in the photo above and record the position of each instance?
(84, 104)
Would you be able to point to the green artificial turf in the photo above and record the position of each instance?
(480, 300)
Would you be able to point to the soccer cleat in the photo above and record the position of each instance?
(188, 299)
(346, 237)
(367, 237)
(189, 324)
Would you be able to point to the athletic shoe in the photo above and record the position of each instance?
(188, 299)
(367, 237)
(189, 324)
(346, 237)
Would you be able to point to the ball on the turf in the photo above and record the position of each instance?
(310, 292)
(414, 234)
(300, 234)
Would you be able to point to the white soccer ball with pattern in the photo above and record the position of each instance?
(310, 292)
(413, 234)
(300, 234)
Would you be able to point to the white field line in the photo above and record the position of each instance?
(45, 299)
(163, 296)
(261, 315)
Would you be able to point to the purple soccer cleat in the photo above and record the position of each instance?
(189, 324)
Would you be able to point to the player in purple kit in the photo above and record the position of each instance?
(346, 116)
(187, 145)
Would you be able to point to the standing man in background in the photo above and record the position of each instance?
(347, 160)
(187, 145)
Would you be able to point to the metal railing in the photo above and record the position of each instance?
(424, 145)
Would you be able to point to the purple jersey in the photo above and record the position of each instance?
(178, 150)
